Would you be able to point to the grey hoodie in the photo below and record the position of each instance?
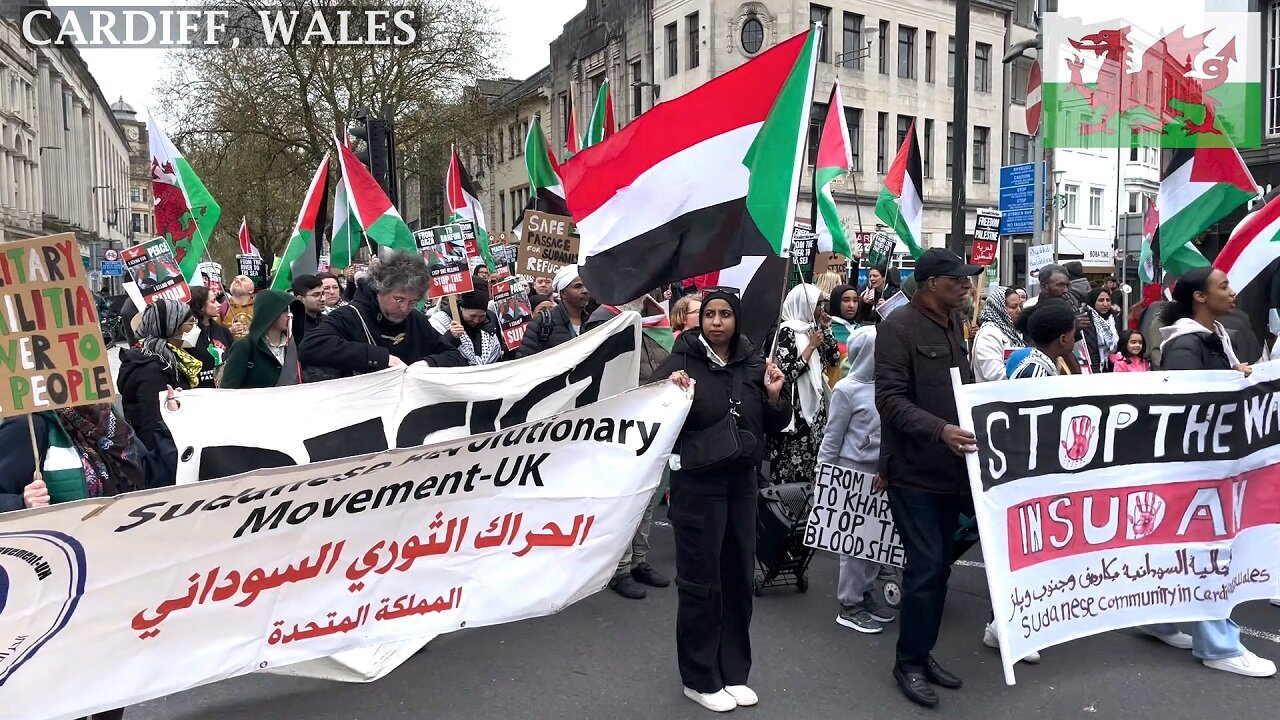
(852, 436)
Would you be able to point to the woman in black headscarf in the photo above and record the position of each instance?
(713, 498)
(157, 364)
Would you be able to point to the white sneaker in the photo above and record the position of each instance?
(1179, 640)
(743, 695)
(720, 701)
(1248, 664)
(1276, 602)
(991, 640)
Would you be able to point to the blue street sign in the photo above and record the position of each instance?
(1017, 198)
(112, 268)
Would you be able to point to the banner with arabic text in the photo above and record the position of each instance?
(100, 599)
(1111, 501)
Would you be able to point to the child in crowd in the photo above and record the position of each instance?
(1132, 353)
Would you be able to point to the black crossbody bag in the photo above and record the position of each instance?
(723, 441)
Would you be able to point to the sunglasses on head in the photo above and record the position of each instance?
(725, 290)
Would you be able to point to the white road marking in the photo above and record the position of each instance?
(1251, 632)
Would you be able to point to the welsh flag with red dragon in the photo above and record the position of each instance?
(185, 211)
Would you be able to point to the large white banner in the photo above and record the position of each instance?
(1111, 501)
(221, 433)
(105, 603)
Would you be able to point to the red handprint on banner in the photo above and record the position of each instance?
(1146, 510)
(1081, 434)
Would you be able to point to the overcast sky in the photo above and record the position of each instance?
(527, 26)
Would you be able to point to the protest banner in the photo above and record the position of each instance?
(548, 243)
(447, 254)
(398, 408)
(155, 271)
(514, 312)
(213, 272)
(1110, 501)
(882, 246)
(282, 566)
(51, 346)
(849, 518)
(252, 267)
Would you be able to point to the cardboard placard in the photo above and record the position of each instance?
(155, 270)
(213, 271)
(445, 248)
(849, 518)
(51, 346)
(548, 243)
(514, 312)
(830, 262)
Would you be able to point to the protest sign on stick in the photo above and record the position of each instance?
(548, 243)
(446, 251)
(514, 312)
(1115, 500)
(251, 266)
(155, 271)
(51, 346)
(849, 518)
(213, 272)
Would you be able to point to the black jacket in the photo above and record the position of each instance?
(714, 387)
(341, 343)
(551, 329)
(302, 322)
(219, 337)
(142, 382)
(1196, 351)
(914, 357)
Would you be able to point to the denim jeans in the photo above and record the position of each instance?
(1210, 639)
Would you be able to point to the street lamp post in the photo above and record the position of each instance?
(1059, 203)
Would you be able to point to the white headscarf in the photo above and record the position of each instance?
(797, 314)
(564, 277)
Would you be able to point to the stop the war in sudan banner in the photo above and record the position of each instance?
(282, 566)
(51, 350)
(1111, 501)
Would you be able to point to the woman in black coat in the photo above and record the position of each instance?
(214, 340)
(713, 507)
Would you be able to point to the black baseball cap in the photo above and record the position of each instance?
(936, 262)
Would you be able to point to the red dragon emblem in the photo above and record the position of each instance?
(1157, 94)
(174, 220)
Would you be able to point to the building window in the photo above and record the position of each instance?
(513, 140)
(980, 136)
(816, 119)
(524, 134)
(884, 47)
(820, 14)
(637, 91)
(982, 68)
(564, 123)
(1135, 202)
(135, 224)
(853, 46)
(691, 27)
(1019, 75)
(1019, 148)
(951, 134)
(673, 58)
(1024, 13)
(926, 150)
(882, 119)
(1095, 207)
(135, 194)
(1273, 69)
(853, 120)
(501, 143)
(752, 35)
(951, 61)
(502, 205)
(1072, 194)
(904, 125)
(906, 52)
(930, 39)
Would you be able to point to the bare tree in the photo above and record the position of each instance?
(255, 120)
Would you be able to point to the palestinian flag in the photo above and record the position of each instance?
(698, 182)
(602, 126)
(655, 327)
(185, 211)
(246, 243)
(835, 159)
(345, 235)
(1148, 271)
(371, 207)
(901, 205)
(1251, 260)
(1191, 79)
(464, 203)
(572, 141)
(1200, 187)
(547, 189)
(300, 256)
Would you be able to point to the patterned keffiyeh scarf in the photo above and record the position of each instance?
(108, 453)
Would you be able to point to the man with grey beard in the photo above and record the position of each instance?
(634, 571)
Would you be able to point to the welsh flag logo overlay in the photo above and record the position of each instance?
(1160, 74)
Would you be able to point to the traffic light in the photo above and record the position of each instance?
(375, 147)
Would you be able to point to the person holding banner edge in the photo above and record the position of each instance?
(922, 455)
(1194, 339)
(738, 399)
